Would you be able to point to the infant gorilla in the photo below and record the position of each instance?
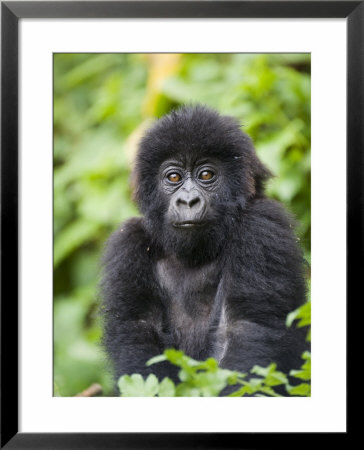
(212, 267)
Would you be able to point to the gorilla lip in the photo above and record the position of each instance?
(188, 224)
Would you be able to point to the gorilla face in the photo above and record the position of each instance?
(193, 194)
(191, 191)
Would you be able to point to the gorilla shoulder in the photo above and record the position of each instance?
(127, 242)
(272, 211)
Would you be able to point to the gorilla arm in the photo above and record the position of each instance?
(133, 331)
(264, 284)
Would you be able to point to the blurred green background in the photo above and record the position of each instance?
(102, 105)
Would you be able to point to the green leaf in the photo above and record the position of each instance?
(269, 391)
(301, 374)
(263, 371)
(184, 390)
(271, 376)
(242, 391)
(135, 386)
(151, 385)
(156, 359)
(211, 364)
(308, 338)
(130, 387)
(303, 313)
(305, 372)
(210, 384)
(178, 358)
(166, 388)
(303, 390)
(276, 378)
(291, 317)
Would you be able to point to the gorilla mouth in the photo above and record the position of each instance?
(188, 224)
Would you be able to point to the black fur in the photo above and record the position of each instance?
(223, 289)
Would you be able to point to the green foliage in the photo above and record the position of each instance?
(102, 104)
(303, 316)
(303, 313)
(207, 379)
(136, 386)
(303, 389)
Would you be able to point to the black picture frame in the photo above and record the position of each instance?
(11, 12)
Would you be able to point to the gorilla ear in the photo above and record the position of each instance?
(257, 174)
(133, 182)
(137, 187)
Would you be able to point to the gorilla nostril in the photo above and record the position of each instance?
(180, 201)
(193, 202)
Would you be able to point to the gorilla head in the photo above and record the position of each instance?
(194, 170)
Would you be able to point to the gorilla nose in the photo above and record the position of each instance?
(188, 200)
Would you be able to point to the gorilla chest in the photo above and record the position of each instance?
(190, 295)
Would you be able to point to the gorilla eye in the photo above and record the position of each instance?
(206, 175)
(174, 177)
